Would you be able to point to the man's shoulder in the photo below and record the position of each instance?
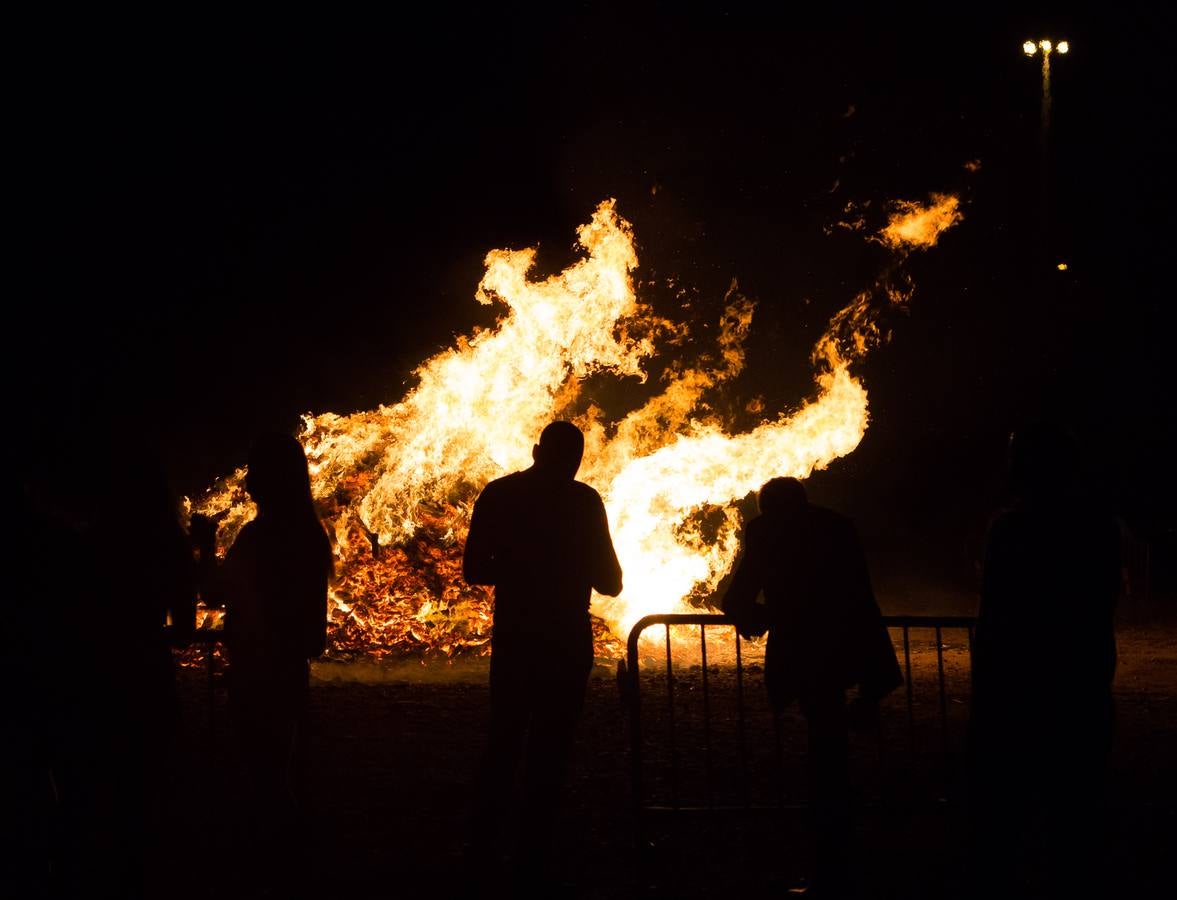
(519, 485)
(825, 514)
(586, 493)
(816, 518)
(755, 527)
(822, 518)
(504, 484)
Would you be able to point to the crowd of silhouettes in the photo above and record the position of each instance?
(119, 577)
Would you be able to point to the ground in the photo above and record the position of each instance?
(392, 761)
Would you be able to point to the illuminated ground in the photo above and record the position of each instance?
(393, 761)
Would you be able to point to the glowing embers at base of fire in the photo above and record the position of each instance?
(396, 485)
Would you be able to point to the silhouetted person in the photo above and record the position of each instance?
(104, 566)
(52, 778)
(542, 540)
(825, 635)
(1044, 658)
(273, 584)
(144, 576)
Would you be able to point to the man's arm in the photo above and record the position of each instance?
(606, 570)
(739, 603)
(478, 561)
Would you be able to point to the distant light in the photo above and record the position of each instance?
(1062, 267)
(1063, 47)
(1029, 48)
(1046, 46)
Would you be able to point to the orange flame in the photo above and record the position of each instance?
(396, 484)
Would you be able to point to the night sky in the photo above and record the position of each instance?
(230, 222)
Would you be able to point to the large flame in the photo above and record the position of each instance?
(396, 484)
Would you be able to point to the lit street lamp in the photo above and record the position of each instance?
(1031, 48)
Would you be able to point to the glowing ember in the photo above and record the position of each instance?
(396, 485)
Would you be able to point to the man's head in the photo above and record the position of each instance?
(782, 497)
(278, 478)
(560, 448)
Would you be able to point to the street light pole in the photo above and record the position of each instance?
(1046, 47)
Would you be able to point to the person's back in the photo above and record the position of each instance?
(276, 586)
(825, 631)
(825, 635)
(811, 591)
(1045, 640)
(546, 538)
(273, 584)
(1044, 658)
(274, 578)
(141, 573)
(1045, 633)
(542, 540)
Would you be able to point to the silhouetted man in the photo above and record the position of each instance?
(825, 635)
(542, 540)
(1044, 657)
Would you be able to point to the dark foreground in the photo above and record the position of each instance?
(392, 763)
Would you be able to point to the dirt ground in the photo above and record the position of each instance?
(393, 756)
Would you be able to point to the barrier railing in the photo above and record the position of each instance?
(630, 683)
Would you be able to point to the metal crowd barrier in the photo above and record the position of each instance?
(629, 681)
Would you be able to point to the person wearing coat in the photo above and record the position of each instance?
(825, 636)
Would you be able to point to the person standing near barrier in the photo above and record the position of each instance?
(1044, 659)
(541, 539)
(825, 635)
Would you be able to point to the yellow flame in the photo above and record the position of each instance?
(1029, 48)
(1045, 45)
(396, 484)
(1063, 47)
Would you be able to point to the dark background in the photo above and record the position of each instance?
(228, 222)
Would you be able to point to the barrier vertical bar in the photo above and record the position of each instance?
(943, 690)
(635, 737)
(706, 718)
(907, 685)
(741, 734)
(972, 668)
(944, 742)
(670, 709)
